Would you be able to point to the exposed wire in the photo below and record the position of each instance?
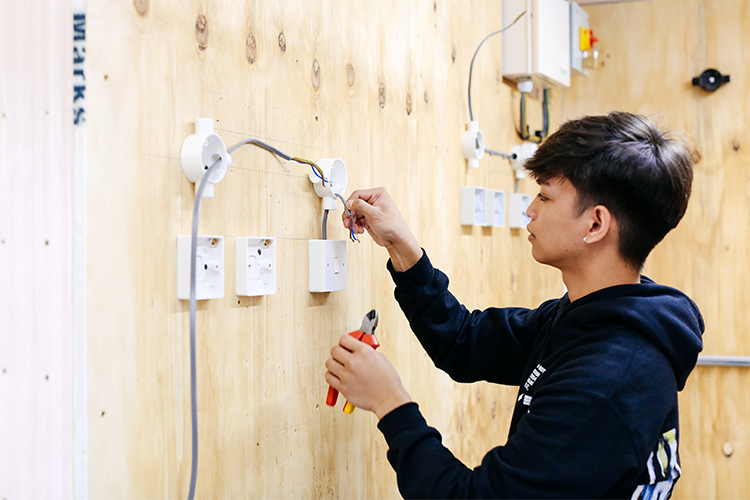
(325, 224)
(351, 219)
(316, 169)
(471, 68)
(524, 126)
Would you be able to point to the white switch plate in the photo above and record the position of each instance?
(209, 267)
(473, 206)
(327, 265)
(517, 205)
(496, 208)
(255, 266)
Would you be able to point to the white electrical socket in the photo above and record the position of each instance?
(255, 266)
(517, 205)
(473, 206)
(209, 267)
(327, 265)
(495, 208)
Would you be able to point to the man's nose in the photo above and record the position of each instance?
(531, 209)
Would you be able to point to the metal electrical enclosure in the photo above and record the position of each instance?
(538, 46)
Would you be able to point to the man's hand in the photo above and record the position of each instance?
(375, 211)
(365, 377)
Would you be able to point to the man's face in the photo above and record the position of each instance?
(556, 233)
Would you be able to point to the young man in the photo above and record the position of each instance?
(598, 370)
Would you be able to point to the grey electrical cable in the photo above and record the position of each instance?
(492, 152)
(263, 145)
(193, 301)
(325, 224)
(471, 68)
(348, 213)
(517, 181)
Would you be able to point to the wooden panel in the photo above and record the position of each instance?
(650, 51)
(36, 244)
(380, 85)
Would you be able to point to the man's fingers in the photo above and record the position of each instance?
(350, 344)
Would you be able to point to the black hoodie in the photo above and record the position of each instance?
(596, 414)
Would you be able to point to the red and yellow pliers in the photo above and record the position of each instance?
(366, 334)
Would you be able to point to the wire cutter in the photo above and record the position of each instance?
(366, 334)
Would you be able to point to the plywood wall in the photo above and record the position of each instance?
(381, 85)
(650, 52)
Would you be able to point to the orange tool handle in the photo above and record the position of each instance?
(333, 394)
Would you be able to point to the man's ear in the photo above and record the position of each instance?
(600, 223)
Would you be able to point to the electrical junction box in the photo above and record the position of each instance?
(209, 267)
(255, 266)
(496, 208)
(538, 45)
(327, 265)
(473, 206)
(579, 25)
(517, 205)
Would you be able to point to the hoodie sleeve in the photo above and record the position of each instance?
(490, 345)
(568, 446)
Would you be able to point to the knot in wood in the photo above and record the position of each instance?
(408, 104)
(201, 31)
(381, 95)
(695, 156)
(425, 97)
(453, 53)
(282, 42)
(350, 75)
(141, 6)
(316, 74)
(250, 48)
(736, 145)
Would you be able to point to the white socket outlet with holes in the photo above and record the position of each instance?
(496, 208)
(327, 265)
(209, 267)
(517, 205)
(473, 206)
(255, 266)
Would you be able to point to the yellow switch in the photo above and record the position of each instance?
(585, 39)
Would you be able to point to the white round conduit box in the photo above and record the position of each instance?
(472, 144)
(200, 151)
(334, 171)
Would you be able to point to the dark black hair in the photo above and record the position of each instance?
(627, 164)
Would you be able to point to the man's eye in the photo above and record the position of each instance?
(542, 197)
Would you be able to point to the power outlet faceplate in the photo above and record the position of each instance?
(255, 266)
(473, 206)
(327, 265)
(517, 205)
(496, 208)
(209, 267)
